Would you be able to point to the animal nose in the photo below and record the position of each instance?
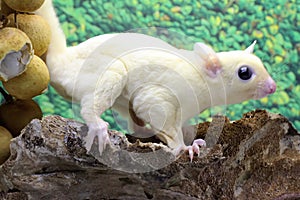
(270, 85)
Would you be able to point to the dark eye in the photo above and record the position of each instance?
(245, 72)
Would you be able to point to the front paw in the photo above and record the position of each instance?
(99, 130)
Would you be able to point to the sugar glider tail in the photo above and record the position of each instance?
(58, 40)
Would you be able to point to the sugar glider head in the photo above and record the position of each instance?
(242, 74)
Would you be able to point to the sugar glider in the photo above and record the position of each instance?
(162, 86)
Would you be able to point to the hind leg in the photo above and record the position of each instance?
(163, 113)
(157, 107)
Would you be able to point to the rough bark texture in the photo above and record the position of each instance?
(257, 157)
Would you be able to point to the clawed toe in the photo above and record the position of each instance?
(88, 142)
(103, 141)
(199, 142)
(194, 148)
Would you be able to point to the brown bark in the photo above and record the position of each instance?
(257, 157)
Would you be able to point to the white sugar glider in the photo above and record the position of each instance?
(164, 86)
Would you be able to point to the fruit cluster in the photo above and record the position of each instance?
(24, 39)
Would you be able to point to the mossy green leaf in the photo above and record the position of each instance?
(291, 76)
(282, 98)
(270, 20)
(47, 107)
(186, 10)
(274, 29)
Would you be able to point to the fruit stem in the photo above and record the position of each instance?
(16, 21)
(8, 98)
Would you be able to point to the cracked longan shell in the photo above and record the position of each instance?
(5, 137)
(15, 52)
(34, 81)
(36, 28)
(24, 5)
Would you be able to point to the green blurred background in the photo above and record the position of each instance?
(225, 25)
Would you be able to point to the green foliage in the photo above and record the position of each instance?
(225, 25)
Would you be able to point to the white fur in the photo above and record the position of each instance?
(166, 86)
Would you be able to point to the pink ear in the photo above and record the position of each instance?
(212, 63)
